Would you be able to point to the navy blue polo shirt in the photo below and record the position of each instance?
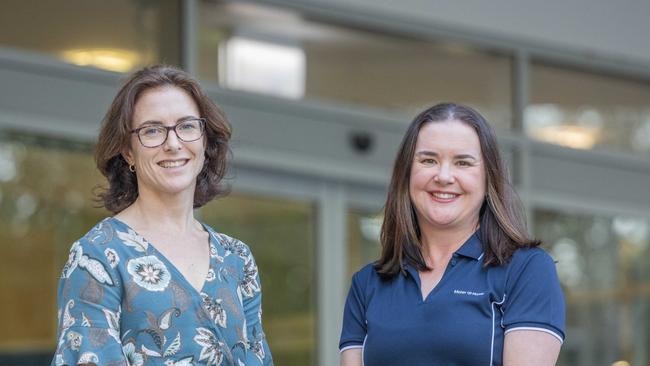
(463, 321)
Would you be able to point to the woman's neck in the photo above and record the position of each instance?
(152, 212)
(440, 245)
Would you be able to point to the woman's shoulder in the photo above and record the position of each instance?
(111, 234)
(224, 245)
(101, 233)
(108, 241)
(366, 276)
(523, 256)
(530, 259)
(367, 271)
(98, 238)
(93, 253)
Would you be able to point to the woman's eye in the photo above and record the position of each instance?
(428, 161)
(463, 163)
(151, 131)
(186, 126)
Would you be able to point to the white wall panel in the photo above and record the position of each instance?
(589, 181)
(592, 27)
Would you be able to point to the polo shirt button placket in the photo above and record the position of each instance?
(454, 259)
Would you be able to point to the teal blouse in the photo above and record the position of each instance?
(121, 302)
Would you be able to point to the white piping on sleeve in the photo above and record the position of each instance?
(559, 337)
(356, 346)
(350, 347)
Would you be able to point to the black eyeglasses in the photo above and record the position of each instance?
(155, 135)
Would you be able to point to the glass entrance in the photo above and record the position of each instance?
(281, 235)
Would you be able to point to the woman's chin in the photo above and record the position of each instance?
(172, 188)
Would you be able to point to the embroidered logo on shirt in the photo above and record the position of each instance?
(468, 293)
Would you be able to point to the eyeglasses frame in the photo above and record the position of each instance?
(170, 128)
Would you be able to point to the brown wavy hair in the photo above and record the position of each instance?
(115, 136)
(502, 220)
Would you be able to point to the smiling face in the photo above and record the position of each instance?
(447, 181)
(171, 168)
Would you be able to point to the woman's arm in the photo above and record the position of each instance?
(354, 321)
(89, 299)
(530, 348)
(351, 357)
(259, 352)
(534, 311)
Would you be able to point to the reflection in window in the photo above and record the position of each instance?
(46, 204)
(602, 263)
(546, 122)
(119, 35)
(281, 235)
(112, 59)
(582, 110)
(363, 239)
(263, 67)
(362, 67)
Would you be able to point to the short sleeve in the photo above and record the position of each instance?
(259, 353)
(354, 329)
(534, 299)
(89, 299)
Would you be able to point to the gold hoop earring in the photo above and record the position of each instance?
(132, 168)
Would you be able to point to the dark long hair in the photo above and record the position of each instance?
(115, 136)
(502, 220)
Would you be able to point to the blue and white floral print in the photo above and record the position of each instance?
(111, 257)
(89, 357)
(95, 268)
(211, 347)
(121, 302)
(133, 358)
(215, 310)
(149, 272)
(73, 260)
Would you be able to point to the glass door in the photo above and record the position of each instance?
(281, 235)
(363, 229)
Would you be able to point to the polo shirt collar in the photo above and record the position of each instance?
(472, 248)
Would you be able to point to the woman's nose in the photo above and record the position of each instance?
(172, 142)
(444, 174)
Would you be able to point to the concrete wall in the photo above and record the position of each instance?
(599, 28)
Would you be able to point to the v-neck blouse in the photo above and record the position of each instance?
(121, 302)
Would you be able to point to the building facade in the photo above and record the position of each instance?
(319, 94)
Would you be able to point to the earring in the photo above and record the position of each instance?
(132, 168)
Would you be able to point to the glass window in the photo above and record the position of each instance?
(602, 263)
(281, 234)
(46, 204)
(119, 35)
(344, 64)
(363, 239)
(585, 110)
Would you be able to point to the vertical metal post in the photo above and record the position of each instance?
(189, 38)
(332, 270)
(522, 155)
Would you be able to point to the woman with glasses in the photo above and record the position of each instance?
(151, 284)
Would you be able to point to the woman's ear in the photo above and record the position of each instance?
(127, 155)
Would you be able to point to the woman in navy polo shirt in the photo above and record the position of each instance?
(459, 281)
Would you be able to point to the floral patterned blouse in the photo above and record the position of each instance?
(121, 302)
